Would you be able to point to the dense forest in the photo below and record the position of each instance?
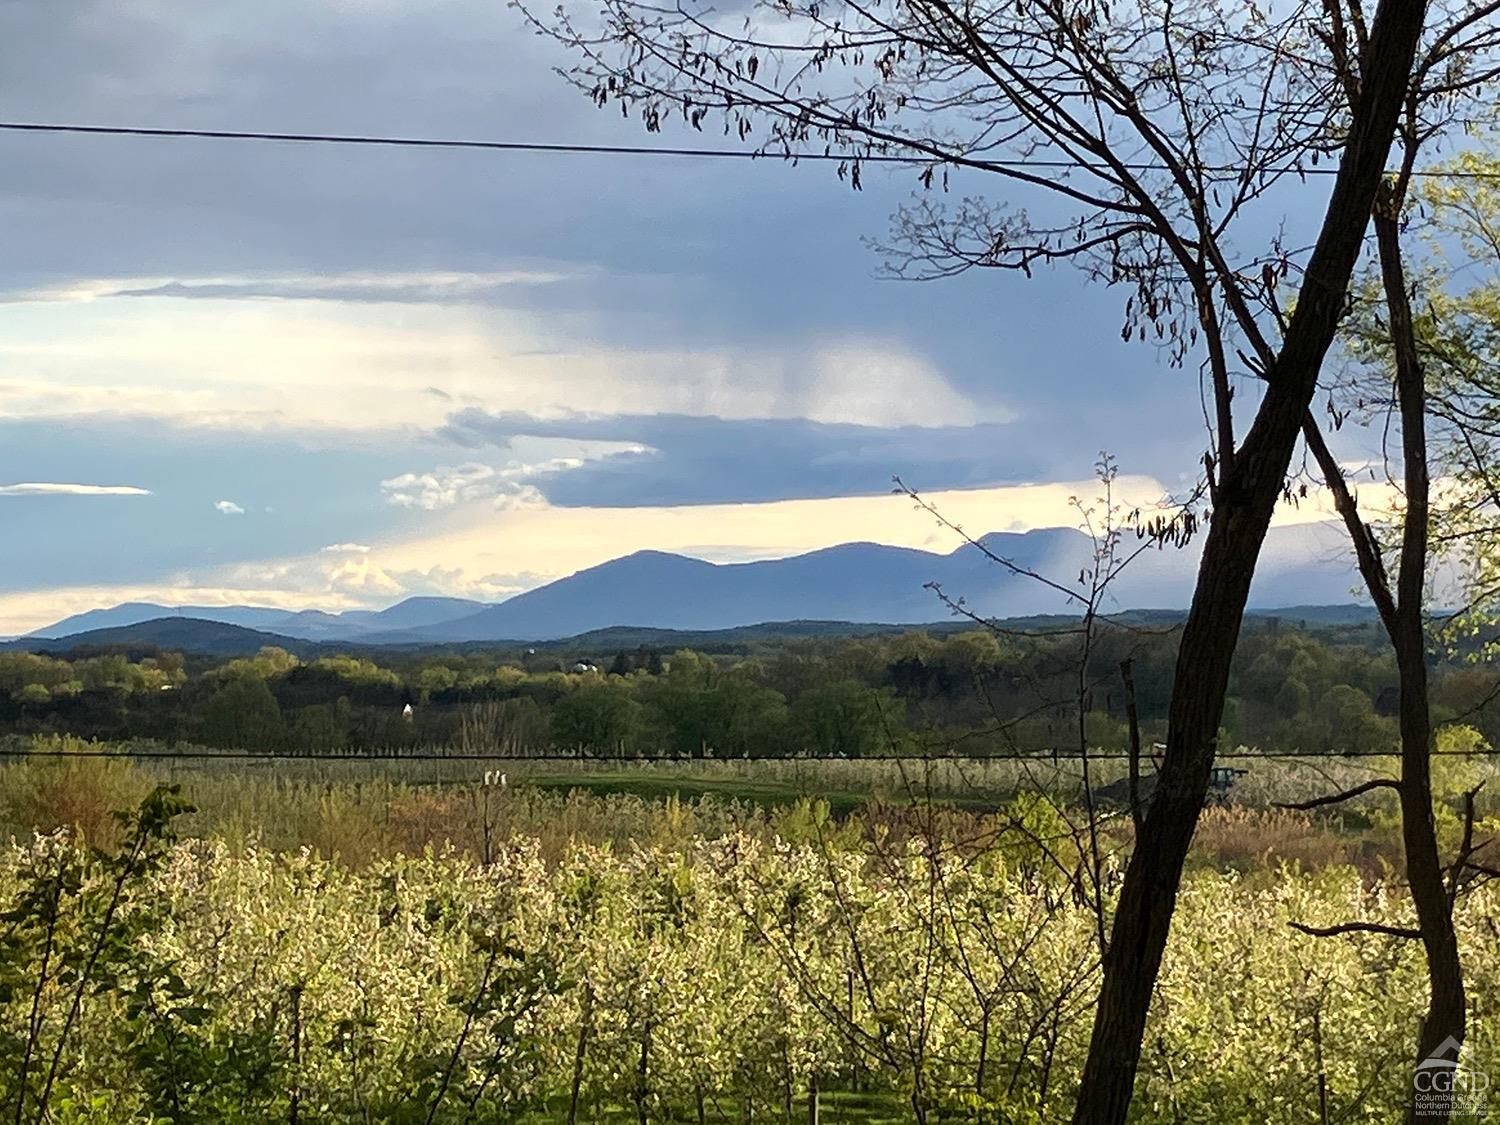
(1296, 689)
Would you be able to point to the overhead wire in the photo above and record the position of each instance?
(571, 148)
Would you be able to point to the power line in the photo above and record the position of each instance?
(559, 148)
(581, 149)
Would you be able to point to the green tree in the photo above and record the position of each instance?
(269, 662)
(435, 678)
(595, 717)
(1292, 698)
(357, 672)
(318, 728)
(1441, 363)
(1355, 726)
(18, 670)
(243, 714)
(1458, 338)
(845, 719)
(34, 695)
(971, 657)
(731, 715)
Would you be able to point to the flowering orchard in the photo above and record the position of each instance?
(734, 978)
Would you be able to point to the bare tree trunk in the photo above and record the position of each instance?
(1401, 612)
(585, 1024)
(294, 1094)
(984, 1052)
(1132, 716)
(1424, 868)
(642, 1074)
(786, 1082)
(1246, 497)
(1322, 1070)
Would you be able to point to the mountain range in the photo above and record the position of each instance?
(1307, 565)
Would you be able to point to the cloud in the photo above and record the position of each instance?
(229, 359)
(682, 459)
(449, 485)
(447, 288)
(228, 508)
(511, 485)
(34, 488)
(346, 549)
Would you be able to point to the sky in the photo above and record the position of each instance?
(301, 376)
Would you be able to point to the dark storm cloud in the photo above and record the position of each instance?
(686, 253)
(697, 460)
(729, 257)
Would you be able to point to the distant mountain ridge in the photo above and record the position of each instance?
(173, 634)
(1306, 566)
(216, 638)
(307, 624)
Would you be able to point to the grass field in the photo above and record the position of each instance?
(363, 808)
(976, 784)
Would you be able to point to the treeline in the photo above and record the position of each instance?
(980, 692)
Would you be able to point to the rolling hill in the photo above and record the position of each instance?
(310, 624)
(176, 634)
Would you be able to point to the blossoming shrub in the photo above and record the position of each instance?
(719, 978)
